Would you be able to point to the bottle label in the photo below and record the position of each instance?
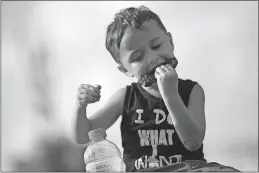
(104, 166)
(98, 153)
(100, 168)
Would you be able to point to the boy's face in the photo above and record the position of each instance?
(143, 49)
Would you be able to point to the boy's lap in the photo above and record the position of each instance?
(192, 166)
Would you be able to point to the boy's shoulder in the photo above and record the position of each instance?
(185, 88)
(186, 83)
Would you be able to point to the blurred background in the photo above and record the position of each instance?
(50, 48)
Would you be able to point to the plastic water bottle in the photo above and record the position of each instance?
(102, 155)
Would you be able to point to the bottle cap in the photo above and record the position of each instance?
(97, 134)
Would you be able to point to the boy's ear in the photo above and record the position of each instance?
(123, 70)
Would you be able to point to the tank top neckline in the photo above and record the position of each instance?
(146, 94)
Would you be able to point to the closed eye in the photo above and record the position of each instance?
(137, 59)
(156, 47)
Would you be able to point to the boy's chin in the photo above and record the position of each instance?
(153, 86)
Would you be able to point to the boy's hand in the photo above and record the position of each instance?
(167, 80)
(88, 94)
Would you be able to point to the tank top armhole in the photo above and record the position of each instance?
(190, 85)
(126, 99)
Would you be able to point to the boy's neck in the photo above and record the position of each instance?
(153, 90)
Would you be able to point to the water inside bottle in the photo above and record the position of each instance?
(102, 155)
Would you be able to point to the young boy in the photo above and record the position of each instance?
(163, 122)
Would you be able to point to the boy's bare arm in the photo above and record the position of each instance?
(103, 118)
(108, 114)
(189, 122)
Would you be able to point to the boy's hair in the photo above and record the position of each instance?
(129, 17)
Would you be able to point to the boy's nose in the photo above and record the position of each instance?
(156, 61)
(152, 64)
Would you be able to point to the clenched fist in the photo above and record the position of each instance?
(167, 80)
(88, 94)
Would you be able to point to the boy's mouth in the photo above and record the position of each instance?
(148, 79)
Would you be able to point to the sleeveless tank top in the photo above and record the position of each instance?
(149, 138)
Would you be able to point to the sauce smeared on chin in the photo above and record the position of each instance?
(148, 79)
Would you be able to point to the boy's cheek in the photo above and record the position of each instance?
(140, 70)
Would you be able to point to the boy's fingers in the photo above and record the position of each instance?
(89, 96)
(85, 86)
(160, 70)
(94, 94)
(166, 68)
(98, 86)
(90, 87)
(82, 96)
(88, 92)
(81, 90)
(93, 100)
(169, 66)
(89, 99)
(156, 74)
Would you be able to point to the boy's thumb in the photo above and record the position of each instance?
(98, 86)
